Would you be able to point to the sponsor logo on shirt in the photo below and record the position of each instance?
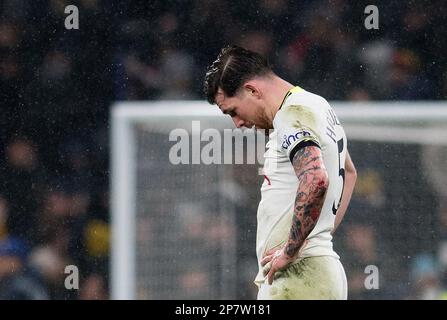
(290, 139)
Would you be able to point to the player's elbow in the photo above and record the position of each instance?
(350, 168)
(354, 177)
(352, 173)
(322, 179)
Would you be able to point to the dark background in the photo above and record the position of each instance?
(57, 85)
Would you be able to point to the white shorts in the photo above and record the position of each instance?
(312, 278)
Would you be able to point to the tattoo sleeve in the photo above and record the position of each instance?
(312, 185)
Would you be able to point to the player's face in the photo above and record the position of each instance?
(244, 108)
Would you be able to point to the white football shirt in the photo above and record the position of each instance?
(303, 118)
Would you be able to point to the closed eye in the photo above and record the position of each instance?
(231, 113)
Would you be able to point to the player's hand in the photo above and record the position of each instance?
(276, 260)
(273, 261)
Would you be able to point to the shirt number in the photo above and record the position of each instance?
(341, 172)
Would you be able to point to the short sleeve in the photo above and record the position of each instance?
(297, 127)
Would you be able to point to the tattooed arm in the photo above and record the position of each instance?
(313, 182)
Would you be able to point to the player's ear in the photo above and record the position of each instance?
(252, 89)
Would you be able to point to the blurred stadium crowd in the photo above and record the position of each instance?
(57, 85)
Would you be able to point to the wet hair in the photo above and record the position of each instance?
(232, 68)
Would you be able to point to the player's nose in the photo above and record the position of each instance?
(238, 122)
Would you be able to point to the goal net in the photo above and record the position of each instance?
(184, 209)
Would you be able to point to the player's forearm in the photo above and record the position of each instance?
(313, 184)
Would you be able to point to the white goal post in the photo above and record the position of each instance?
(422, 122)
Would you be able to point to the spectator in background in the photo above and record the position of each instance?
(442, 246)
(93, 287)
(75, 167)
(406, 79)
(434, 165)
(177, 71)
(17, 280)
(425, 279)
(360, 241)
(64, 209)
(50, 259)
(68, 234)
(22, 183)
(259, 41)
(195, 283)
(52, 95)
(11, 84)
(137, 79)
(375, 59)
(361, 244)
(358, 94)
